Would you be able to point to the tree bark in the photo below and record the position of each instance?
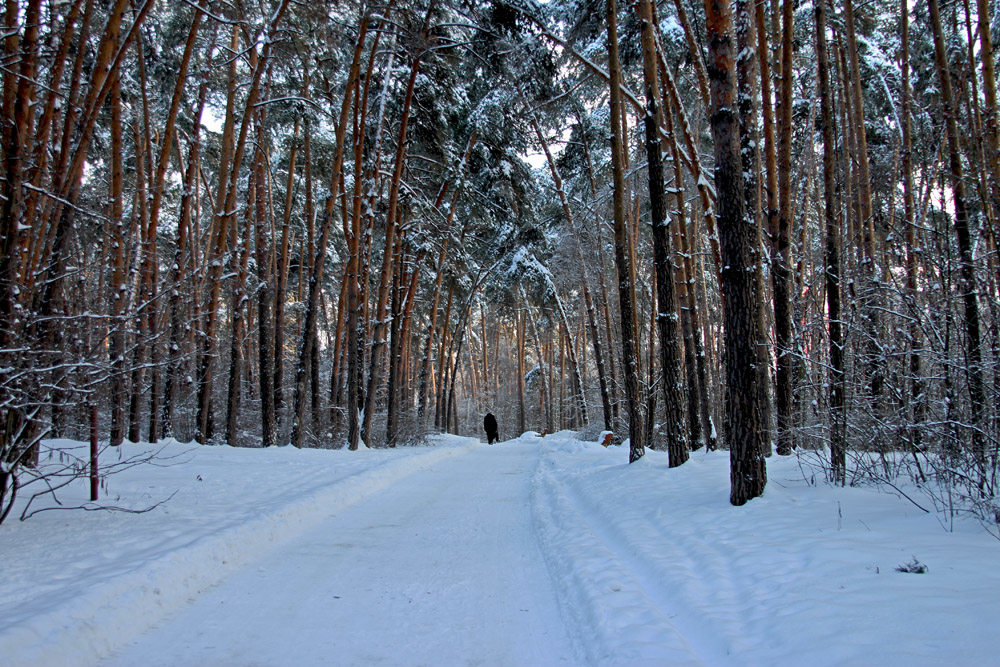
(380, 331)
(281, 270)
(240, 324)
(142, 288)
(264, 256)
(695, 365)
(116, 347)
(832, 256)
(181, 265)
(228, 182)
(740, 281)
(916, 400)
(308, 338)
(869, 307)
(990, 110)
(426, 367)
(395, 345)
(623, 259)
(967, 274)
(781, 234)
(674, 428)
(521, 416)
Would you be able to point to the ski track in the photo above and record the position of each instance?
(647, 583)
(670, 567)
(635, 590)
(600, 597)
(630, 544)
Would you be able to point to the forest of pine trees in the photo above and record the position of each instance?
(753, 226)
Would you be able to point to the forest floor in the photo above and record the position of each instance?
(535, 551)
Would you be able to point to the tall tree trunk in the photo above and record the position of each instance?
(402, 378)
(870, 307)
(694, 362)
(699, 403)
(381, 325)
(240, 324)
(990, 110)
(225, 206)
(740, 281)
(356, 235)
(395, 345)
(747, 95)
(967, 281)
(695, 52)
(674, 428)
(355, 352)
(611, 378)
(521, 416)
(579, 395)
(456, 353)
(181, 266)
(832, 257)
(265, 296)
(623, 260)
(338, 345)
(308, 339)
(540, 352)
(706, 194)
(602, 374)
(916, 397)
(780, 228)
(116, 348)
(426, 369)
(157, 178)
(282, 266)
(653, 380)
(142, 289)
(444, 361)
(19, 85)
(69, 174)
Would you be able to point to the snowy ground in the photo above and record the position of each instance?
(531, 552)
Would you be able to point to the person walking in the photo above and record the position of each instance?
(490, 424)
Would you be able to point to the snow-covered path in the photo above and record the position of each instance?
(534, 552)
(373, 583)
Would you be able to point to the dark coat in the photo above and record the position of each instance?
(490, 424)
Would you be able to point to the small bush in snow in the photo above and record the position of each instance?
(913, 567)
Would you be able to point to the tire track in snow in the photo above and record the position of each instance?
(442, 568)
(93, 624)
